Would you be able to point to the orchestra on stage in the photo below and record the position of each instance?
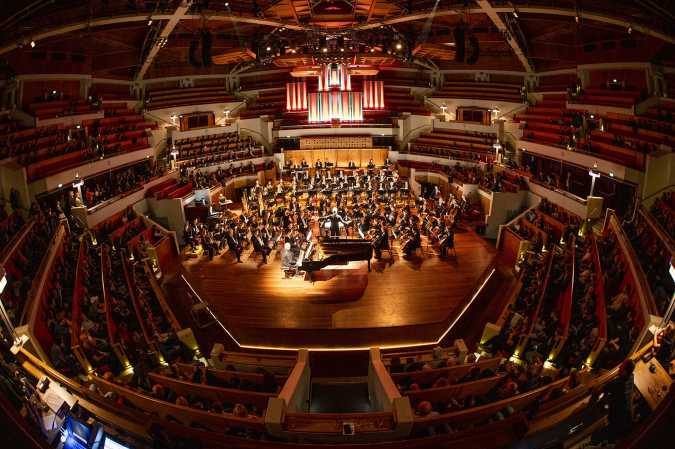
(322, 215)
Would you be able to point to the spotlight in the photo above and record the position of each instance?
(372, 50)
(515, 13)
(32, 44)
(342, 50)
(293, 50)
(576, 18)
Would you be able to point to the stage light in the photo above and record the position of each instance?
(372, 50)
(32, 44)
(515, 13)
(576, 18)
(342, 50)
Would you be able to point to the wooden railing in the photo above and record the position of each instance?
(452, 373)
(76, 315)
(111, 326)
(647, 303)
(225, 395)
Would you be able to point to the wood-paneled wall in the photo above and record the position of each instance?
(339, 157)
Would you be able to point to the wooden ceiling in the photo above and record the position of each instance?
(112, 38)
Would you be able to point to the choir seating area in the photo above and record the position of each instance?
(456, 144)
(59, 108)
(491, 91)
(268, 102)
(184, 96)
(601, 96)
(215, 149)
(550, 122)
(399, 99)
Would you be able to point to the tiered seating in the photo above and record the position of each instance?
(535, 271)
(158, 318)
(663, 112)
(624, 312)
(638, 133)
(174, 97)
(608, 97)
(216, 149)
(117, 183)
(399, 99)
(53, 327)
(556, 83)
(269, 102)
(480, 91)
(587, 328)
(654, 256)
(87, 308)
(550, 122)
(22, 260)
(32, 140)
(455, 143)
(9, 227)
(59, 108)
(67, 148)
(551, 324)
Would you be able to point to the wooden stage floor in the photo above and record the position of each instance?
(398, 302)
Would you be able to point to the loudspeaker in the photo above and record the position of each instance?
(474, 45)
(206, 48)
(459, 43)
(192, 58)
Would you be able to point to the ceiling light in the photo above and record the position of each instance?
(32, 44)
(399, 46)
(227, 4)
(324, 49)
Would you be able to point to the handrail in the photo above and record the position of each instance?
(44, 271)
(16, 241)
(522, 344)
(647, 303)
(658, 192)
(658, 229)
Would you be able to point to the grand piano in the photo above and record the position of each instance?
(337, 251)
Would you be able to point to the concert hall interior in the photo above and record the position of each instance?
(337, 224)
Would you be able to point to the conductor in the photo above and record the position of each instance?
(334, 220)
